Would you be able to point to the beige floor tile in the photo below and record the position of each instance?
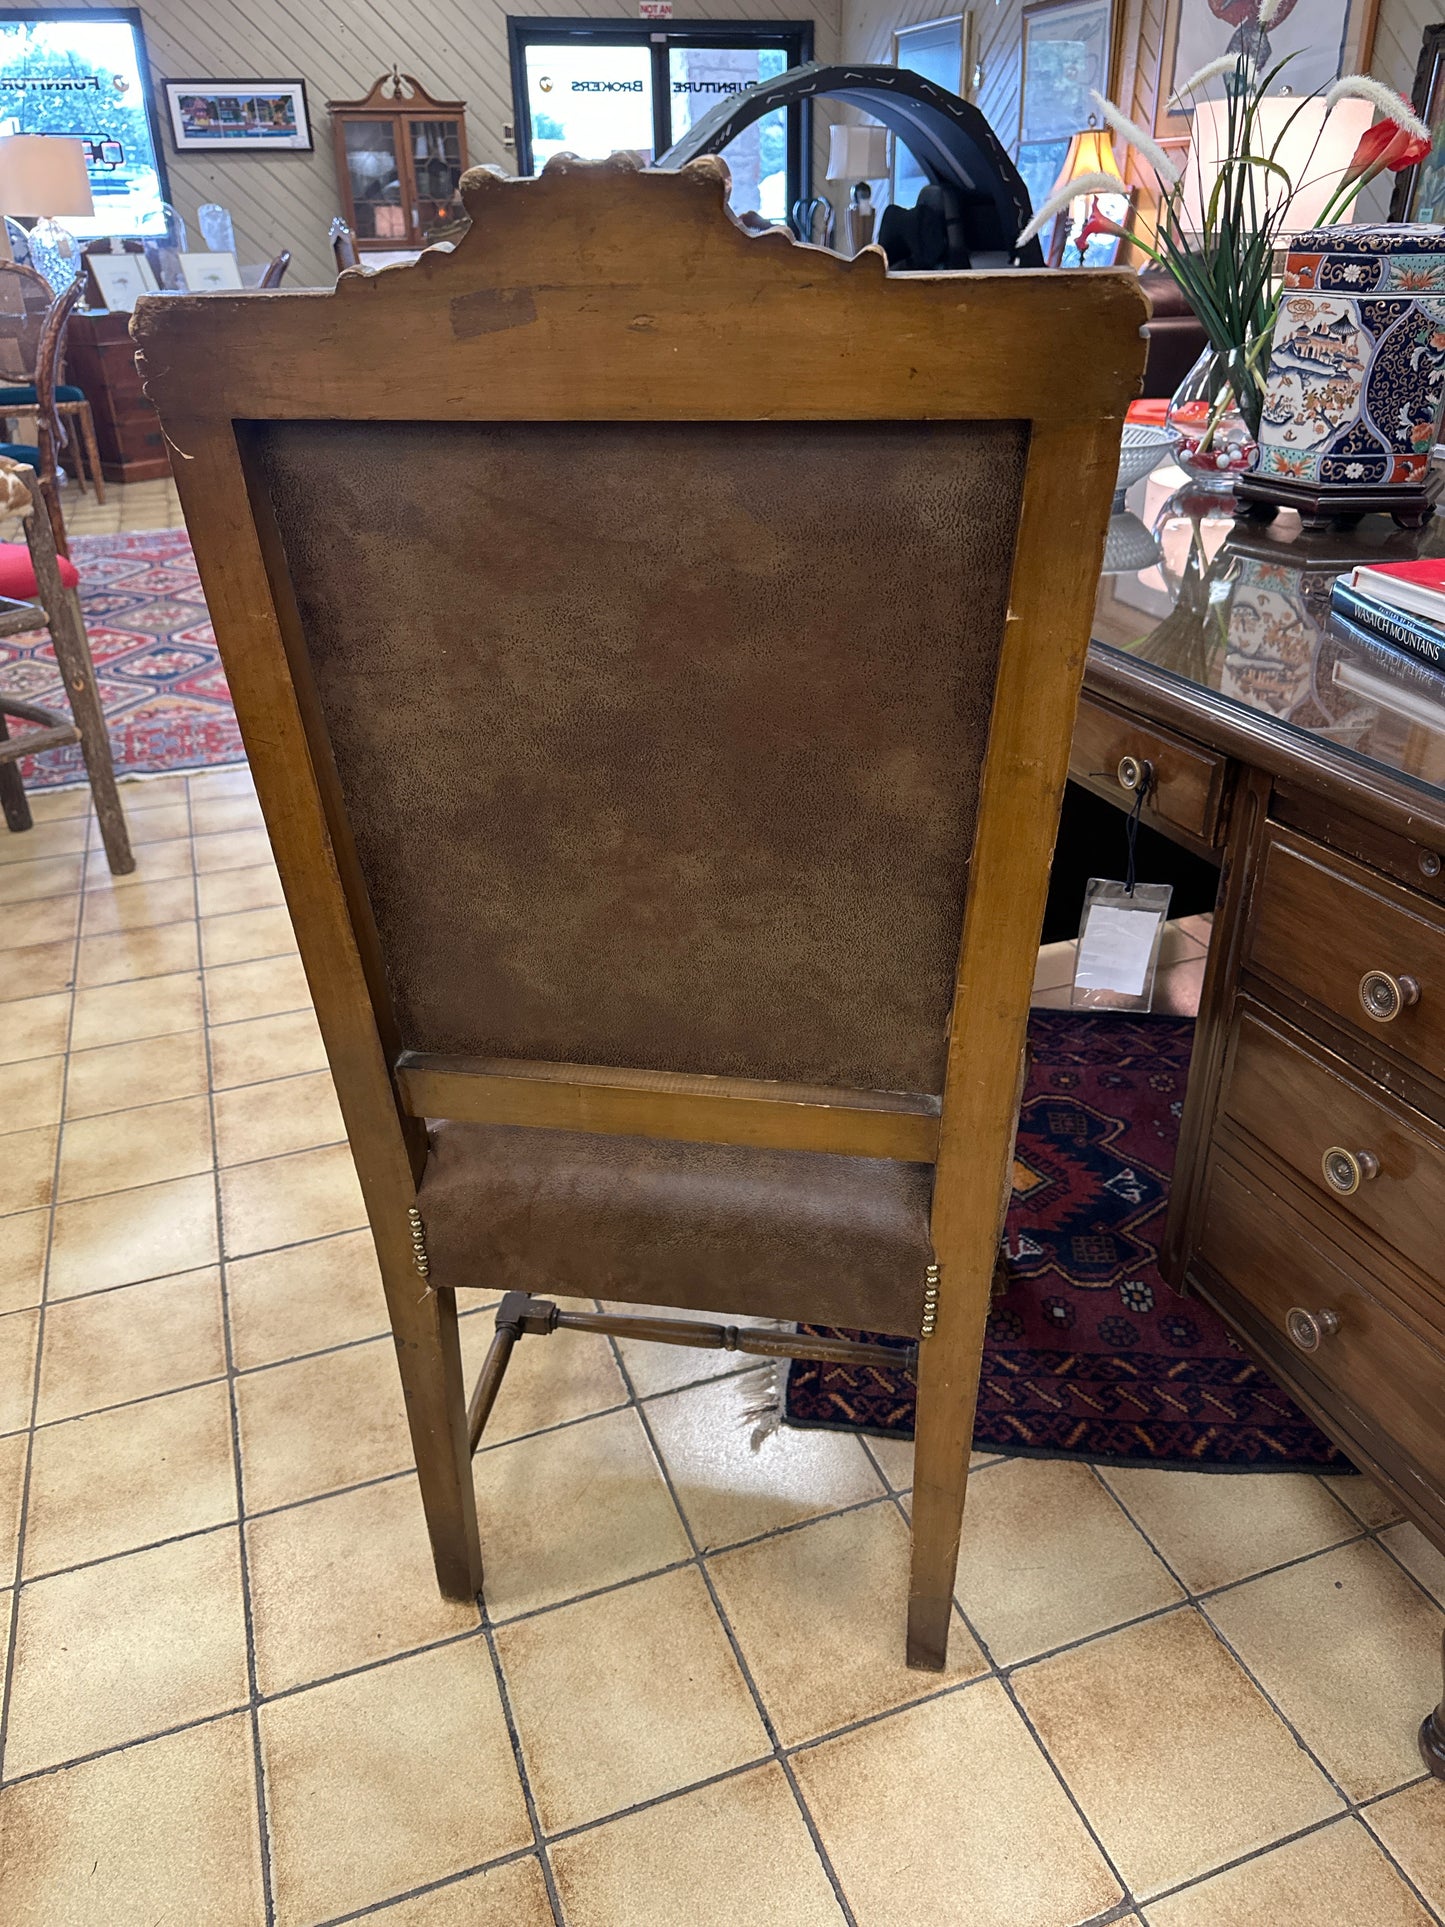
(266, 1048)
(33, 1092)
(948, 1800)
(64, 836)
(17, 1368)
(894, 1457)
(309, 1427)
(155, 950)
(232, 850)
(820, 1614)
(37, 877)
(1028, 1518)
(154, 900)
(572, 1510)
(1416, 1554)
(114, 1346)
(1370, 1503)
(549, 1381)
(22, 1259)
(37, 969)
(304, 1299)
(263, 988)
(1412, 1826)
(35, 1027)
(47, 920)
(120, 1077)
(165, 1832)
(119, 1013)
(604, 1716)
(130, 1477)
(132, 1235)
(1336, 1877)
(122, 1149)
(512, 1895)
(48, 806)
(246, 934)
(666, 1368)
(12, 1484)
(1350, 1649)
(160, 822)
(153, 793)
(283, 1201)
(1054, 969)
(735, 1851)
(215, 813)
(155, 862)
(27, 1169)
(270, 1120)
(340, 1582)
(728, 1491)
(220, 893)
(131, 1646)
(1055, 997)
(1177, 990)
(386, 1779)
(1172, 1752)
(1214, 1528)
(233, 779)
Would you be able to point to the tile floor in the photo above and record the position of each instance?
(233, 1696)
(127, 505)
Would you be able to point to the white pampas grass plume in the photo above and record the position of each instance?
(1226, 64)
(1141, 142)
(1362, 87)
(1056, 203)
(1267, 10)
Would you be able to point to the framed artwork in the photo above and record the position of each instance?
(1065, 54)
(1420, 191)
(1324, 38)
(244, 116)
(121, 279)
(939, 50)
(204, 272)
(1039, 164)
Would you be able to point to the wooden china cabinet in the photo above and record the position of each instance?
(399, 157)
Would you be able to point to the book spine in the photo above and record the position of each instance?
(1401, 631)
(1424, 671)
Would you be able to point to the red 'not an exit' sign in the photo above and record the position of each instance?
(655, 9)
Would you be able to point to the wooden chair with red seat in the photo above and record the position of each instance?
(33, 573)
(657, 660)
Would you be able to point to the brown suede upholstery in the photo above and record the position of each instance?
(762, 1234)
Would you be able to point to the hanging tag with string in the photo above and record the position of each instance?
(1122, 928)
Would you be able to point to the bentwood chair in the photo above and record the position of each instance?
(657, 653)
(33, 321)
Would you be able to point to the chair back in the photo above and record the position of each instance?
(26, 299)
(343, 246)
(658, 659)
(276, 270)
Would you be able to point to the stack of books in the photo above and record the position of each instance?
(1399, 604)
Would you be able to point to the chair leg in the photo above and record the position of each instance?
(429, 1354)
(948, 1368)
(70, 411)
(72, 653)
(12, 791)
(92, 448)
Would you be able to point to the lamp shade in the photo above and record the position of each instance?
(1090, 152)
(43, 174)
(857, 153)
(1313, 150)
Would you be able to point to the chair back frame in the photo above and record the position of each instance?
(670, 312)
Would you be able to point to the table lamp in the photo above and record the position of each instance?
(1313, 148)
(1091, 151)
(860, 155)
(44, 175)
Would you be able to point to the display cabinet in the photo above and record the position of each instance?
(399, 157)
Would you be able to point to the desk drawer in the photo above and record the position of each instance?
(1363, 1354)
(1187, 787)
(1386, 1166)
(1334, 932)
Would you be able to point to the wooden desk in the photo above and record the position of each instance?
(1308, 1203)
(100, 358)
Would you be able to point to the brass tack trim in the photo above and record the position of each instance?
(930, 1300)
(418, 1242)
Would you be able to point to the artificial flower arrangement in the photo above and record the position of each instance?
(1223, 254)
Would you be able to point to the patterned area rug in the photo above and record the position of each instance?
(1089, 1353)
(156, 662)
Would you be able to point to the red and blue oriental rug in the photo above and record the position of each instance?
(1089, 1353)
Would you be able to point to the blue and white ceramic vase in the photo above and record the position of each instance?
(1357, 365)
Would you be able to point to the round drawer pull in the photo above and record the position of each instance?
(1135, 773)
(1345, 1171)
(1310, 1329)
(1383, 997)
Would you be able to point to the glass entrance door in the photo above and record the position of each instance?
(592, 89)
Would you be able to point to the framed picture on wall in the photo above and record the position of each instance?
(941, 51)
(1322, 38)
(1420, 191)
(243, 116)
(1065, 56)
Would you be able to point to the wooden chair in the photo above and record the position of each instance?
(658, 660)
(276, 270)
(60, 612)
(343, 246)
(33, 321)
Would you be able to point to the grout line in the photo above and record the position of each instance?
(439, 1886)
(519, 1761)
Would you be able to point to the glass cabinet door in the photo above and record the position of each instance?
(373, 169)
(435, 147)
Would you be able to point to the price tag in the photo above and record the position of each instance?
(1119, 941)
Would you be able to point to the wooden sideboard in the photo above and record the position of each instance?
(1308, 1203)
(100, 358)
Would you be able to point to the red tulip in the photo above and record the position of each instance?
(1386, 145)
(1097, 223)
